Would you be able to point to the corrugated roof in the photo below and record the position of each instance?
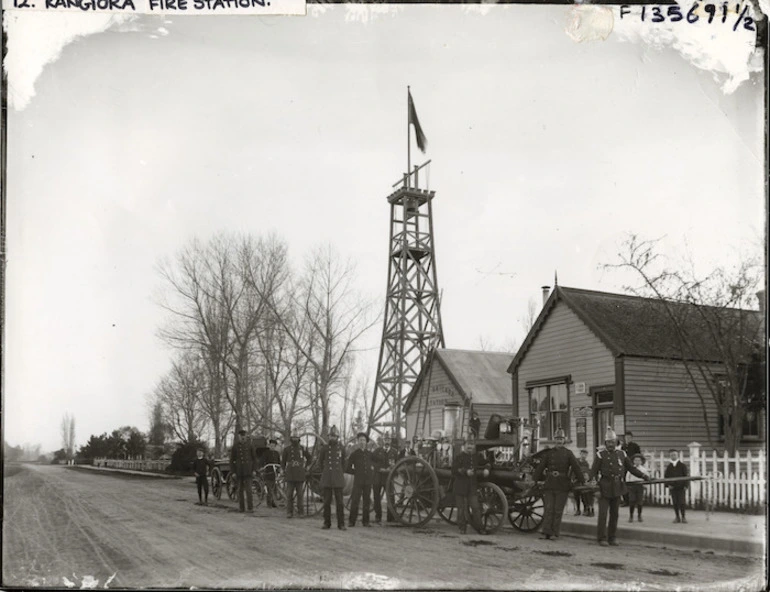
(481, 375)
(644, 327)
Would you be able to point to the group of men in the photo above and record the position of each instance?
(558, 470)
(368, 468)
(609, 468)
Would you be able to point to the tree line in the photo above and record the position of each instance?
(257, 343)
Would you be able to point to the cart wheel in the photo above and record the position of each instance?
(493, 504)
(312, 495)
(526, 513)
(448, 513)
(232, 486)
(446, 505)
(216, 482)
(413, 491)
(279, 494)
(259, 490)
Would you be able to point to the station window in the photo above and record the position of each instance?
(549, 403)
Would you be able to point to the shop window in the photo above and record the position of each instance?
(550, 403)
(751, 426)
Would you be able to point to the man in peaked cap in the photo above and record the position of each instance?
(294, 461)
(385, 458)
(557, 464)
(361, 465)
(333, 479)
(611, 466)
(270, 460)
(243, 461)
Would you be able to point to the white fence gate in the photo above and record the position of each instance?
(731, 482)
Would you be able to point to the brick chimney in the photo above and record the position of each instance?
(546, 290)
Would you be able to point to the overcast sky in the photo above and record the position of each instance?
(545, 152)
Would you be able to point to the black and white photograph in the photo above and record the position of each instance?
(384, 296)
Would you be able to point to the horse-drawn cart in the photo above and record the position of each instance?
(223, 479)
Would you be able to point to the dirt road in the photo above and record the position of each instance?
(67, 527)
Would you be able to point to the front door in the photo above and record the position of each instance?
(604, 413)
(603, 417)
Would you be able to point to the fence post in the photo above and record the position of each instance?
(695, 471)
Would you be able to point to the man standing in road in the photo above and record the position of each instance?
(201, 467)
(333, 479)
(361, 465)
(556, 466)
(270, 459)
(385, 458)
(465, 466)
(612, 465)
(243, 461)
(294, 460)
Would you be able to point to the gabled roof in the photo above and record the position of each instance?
(643, 327)
(480, 376)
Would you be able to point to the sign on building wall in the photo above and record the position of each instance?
(584, 411)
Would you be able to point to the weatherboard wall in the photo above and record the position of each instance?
(440, 390)
(663, 409)
(565, 346)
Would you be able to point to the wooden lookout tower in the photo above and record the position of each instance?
(412, 323)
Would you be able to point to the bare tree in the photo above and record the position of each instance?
(179, 394)
(286, 369)
(527, 321)
(216, 294)
(718, 338)
(510, 345)
(332, 318)
(68, 435)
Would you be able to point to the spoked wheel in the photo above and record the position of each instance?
(493, 504)
(448, 513)
(216, 482)
(232, 486)
(258, 490)
(526, 513)
(413, 491)
(313, 500)
(446, 507)
(279, 493)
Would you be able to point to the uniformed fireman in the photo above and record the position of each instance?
(243, 461)
(466, 467)
(294, 462)
(361, 465)
(333, 479)
(556, 465)
(269, 459)
(610, 465)
(385, 458)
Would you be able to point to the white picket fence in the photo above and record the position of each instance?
(158, 466)
(731, 482)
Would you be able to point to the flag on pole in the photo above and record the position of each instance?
(422, 141)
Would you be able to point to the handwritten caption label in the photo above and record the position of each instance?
(258, 7)
(736, 15)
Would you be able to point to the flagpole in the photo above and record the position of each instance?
(408, 138)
